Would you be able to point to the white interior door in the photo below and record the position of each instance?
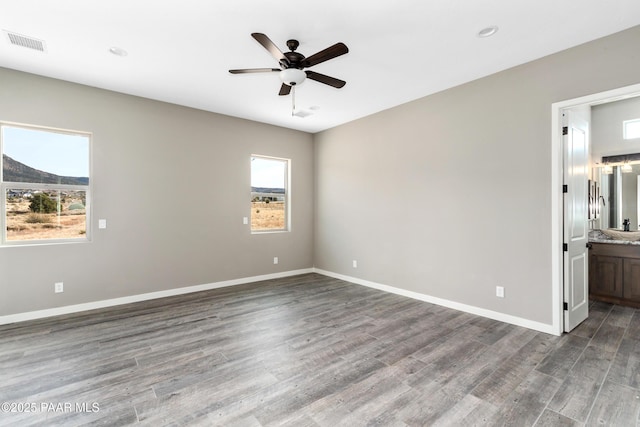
(576, 230)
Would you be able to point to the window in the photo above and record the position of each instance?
(269, 194)
(631, 129)
(45, 185)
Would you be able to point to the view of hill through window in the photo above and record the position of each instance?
(45, 183)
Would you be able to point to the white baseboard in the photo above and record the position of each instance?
(69, 309)
(507, 318)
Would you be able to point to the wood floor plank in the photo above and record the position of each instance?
(205, 398)
(317, 386)
(470, 411)
(493, 330)
(616, 405)
(575, 397)
(620, 316)
(528, 401)
(553, 419)
(608, 337)
(580, 388)
(59, 378)
(499, 385)
(597, 313)
(625, 369)
(410, 344)
(360, 402)
(310, 350)
(633, 330)
(560, 361)
(446, 360)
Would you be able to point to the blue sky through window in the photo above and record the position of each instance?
(58, 153)
(268, 173)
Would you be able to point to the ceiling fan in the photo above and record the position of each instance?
(292, 64)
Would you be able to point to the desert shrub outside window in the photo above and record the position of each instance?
(45, 185)
(269, 194)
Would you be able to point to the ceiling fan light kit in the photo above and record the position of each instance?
(292, 64)
(292, 76)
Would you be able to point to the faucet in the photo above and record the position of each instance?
(626, 224)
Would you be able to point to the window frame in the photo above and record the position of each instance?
(5, 186)
(287, 195)
(625, 123)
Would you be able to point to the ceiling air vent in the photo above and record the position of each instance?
(25, 41)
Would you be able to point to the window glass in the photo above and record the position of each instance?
(45, 184)
(39, 214)
(44, 157)
(631, 129)
(269, 198)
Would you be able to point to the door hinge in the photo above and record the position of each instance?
(565, 306)
(565, 130)
(565, 247)
(565, 188)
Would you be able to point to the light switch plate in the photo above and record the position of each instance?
(102, 223)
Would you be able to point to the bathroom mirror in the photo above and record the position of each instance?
(618, 198)
(610, 145)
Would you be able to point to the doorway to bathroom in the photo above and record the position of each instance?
(570, 209)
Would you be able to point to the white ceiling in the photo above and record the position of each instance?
(181, 51)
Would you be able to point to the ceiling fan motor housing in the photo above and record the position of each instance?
(293, 60)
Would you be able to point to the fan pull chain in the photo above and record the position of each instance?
(293, 100)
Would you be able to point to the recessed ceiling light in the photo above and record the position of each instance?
(118, 51)
(488, 32)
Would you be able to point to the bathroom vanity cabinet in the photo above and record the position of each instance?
(614, 273)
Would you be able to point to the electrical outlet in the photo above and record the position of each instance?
(102, 224)
(355, 264)
(500, 291)
(245, 220)
(275, 259)
(58, 287)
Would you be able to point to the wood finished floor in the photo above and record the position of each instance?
(315, 351)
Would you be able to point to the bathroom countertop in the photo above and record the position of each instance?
(597, 236)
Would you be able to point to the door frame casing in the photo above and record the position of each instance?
(557, 212)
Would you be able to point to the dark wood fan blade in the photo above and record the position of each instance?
(271, 47)
(284, 90)
(254, 70)
(331, 81)
(325, 55)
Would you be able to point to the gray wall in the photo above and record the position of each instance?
(606, 128)
(449, 195)
(173, 184)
